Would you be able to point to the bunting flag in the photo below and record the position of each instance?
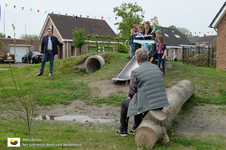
(30, 9)
(207, 32)
(66, 14)
(199, 32)
(102, 17)
(22, 8)
(190, 32)
(80, 16)
(52, 12)
(14, 6)
(95, 17)
(76, 17)
(38, 11)
(58, 14)
(73, 15)
(115, 18)
(177, 31)
(6, 5)
(87, 16)
(173, 31)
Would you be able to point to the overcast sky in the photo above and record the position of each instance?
(195, 15)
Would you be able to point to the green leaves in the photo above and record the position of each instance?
(130, 13)
(79, 38)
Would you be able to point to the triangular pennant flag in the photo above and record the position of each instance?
(195, 32)
(95, 17)
(173, 31)
(80, 16)
(199, 32)
(212, 31)
(45, 11)
(73, 15)
(22, 8)
(58, 14)
(190, 32)
(115, 18)
(30, 9)
(76, 17)
(66, 14)
(14, 6)
(52, 13)
(38, 11)
(177, 31)
(87, 16)
(207, 32)
(102, 17)
(6, 5)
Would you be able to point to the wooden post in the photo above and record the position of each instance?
(153, 129)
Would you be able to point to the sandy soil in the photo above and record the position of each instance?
(207, 119)
(16, 65)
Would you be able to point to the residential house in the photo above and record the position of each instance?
(206, 41)
(19, 47)
(219, 24)
(62, 27)
(175, 43)
(193, 40)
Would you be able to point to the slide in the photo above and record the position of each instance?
(125, 74)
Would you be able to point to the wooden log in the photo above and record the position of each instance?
(154, 127)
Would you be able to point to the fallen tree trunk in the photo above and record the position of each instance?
(155, 124)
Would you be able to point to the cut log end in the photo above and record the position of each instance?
(145, 137)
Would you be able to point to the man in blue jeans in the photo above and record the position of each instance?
(49, 50)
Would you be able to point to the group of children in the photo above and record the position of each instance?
(160, 47)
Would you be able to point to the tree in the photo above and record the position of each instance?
(79, 38)
(29, 36)
(130, 13)
(2, 35)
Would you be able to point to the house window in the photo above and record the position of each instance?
(166, 35)
(201, 44)
(167, 53)
(177, 36)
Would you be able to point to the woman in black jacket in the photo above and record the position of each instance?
(147, 30)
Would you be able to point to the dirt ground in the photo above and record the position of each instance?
(204, 120)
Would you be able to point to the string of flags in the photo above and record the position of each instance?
(38, 11)
(192, 33)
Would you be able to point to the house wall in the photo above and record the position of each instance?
(221, 44)
(171, 54)
(35, 45)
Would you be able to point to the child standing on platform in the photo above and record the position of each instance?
(140, 33)
(132, 37)
(156, 26)
(161, 53)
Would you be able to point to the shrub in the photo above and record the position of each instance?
(122, 49)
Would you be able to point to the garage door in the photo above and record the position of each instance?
(20, 51)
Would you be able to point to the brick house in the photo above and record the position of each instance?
(219, 24)
(193, 40)
(207, 41)
(175, 42)
(21, 47)
(62, 27)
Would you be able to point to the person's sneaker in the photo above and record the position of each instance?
(128, 57)
(131, 131)
(122, 133)
(39, 74)
(50, 74)
(163, 73)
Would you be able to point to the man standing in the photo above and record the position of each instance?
(147, 92)
(48, 50)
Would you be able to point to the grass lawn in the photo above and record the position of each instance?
(69, 82)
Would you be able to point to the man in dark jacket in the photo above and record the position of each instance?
(147, 92)
(49, 50)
